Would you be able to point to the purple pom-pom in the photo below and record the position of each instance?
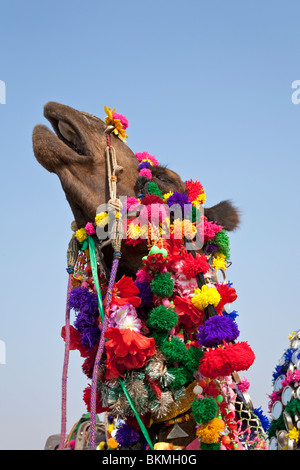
(144, 164)
(146, 293)
(180, 200)
(85, 304)
(216, 330)
(126, 436)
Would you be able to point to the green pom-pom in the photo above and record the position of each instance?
(174, 350)
(160, 336)
(222, 241)
(162, 285)
(293, 407)
(192, 358)
(215, 446)
(162, 318)
(154, 189)
(204, 410)
(181, 376)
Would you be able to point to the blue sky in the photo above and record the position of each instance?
(206, 87)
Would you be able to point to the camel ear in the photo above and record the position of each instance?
(223, 214)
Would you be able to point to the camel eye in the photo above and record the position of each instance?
(163, 178)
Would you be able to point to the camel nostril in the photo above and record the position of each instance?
(70, 136)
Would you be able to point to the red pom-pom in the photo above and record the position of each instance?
(75, 340)
(223, 361)
(192, 266)
(151, 199)
(228, 295)
(87, 400)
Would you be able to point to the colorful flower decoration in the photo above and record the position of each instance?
(119, 122)
(169, 328)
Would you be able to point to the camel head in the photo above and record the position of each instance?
(75, 151)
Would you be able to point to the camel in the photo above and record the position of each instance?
(75, 152)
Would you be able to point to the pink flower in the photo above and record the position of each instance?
(143, 276)
(146, 156)
(90, 229)
(132, 203)
(125, 317)
(123, 119)
(146, 172)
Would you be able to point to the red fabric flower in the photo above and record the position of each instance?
(192, 266)
(155, 262)
(126, 292)
(75, 340)
(223, 361)
(228, 295)
(126, 350)
(190, 316)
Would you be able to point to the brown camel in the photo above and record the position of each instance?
(76, 153)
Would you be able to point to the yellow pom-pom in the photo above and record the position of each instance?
(205, 296)
(101, 446)
(81, 235)
(167, 195)
(200, 199)
(102, 219)
(294, 434)
(219, 261)
(210, 433)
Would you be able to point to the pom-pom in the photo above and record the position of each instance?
(87, 400)
(181, 376)
(263, 419)
(146, 172)
(222, 241)
(192, 358)
(141, 156)
(154, 189)
(192, 266)
(223, 361)
(81, 235)
(210, 433)
(205, 296)
(174, 350)
(180, 200)
(244, 385)
(196, 192)
(162, 285)
(216, 330)
(145, 164)
(90, 229)
(126, 436)
(162, 318)
(204, 410)
(210, 230)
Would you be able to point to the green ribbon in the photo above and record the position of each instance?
(93, 259)
(141, 424)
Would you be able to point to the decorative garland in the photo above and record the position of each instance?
(284, 403)
(168, 328)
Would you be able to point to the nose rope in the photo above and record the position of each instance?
(116, 240)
